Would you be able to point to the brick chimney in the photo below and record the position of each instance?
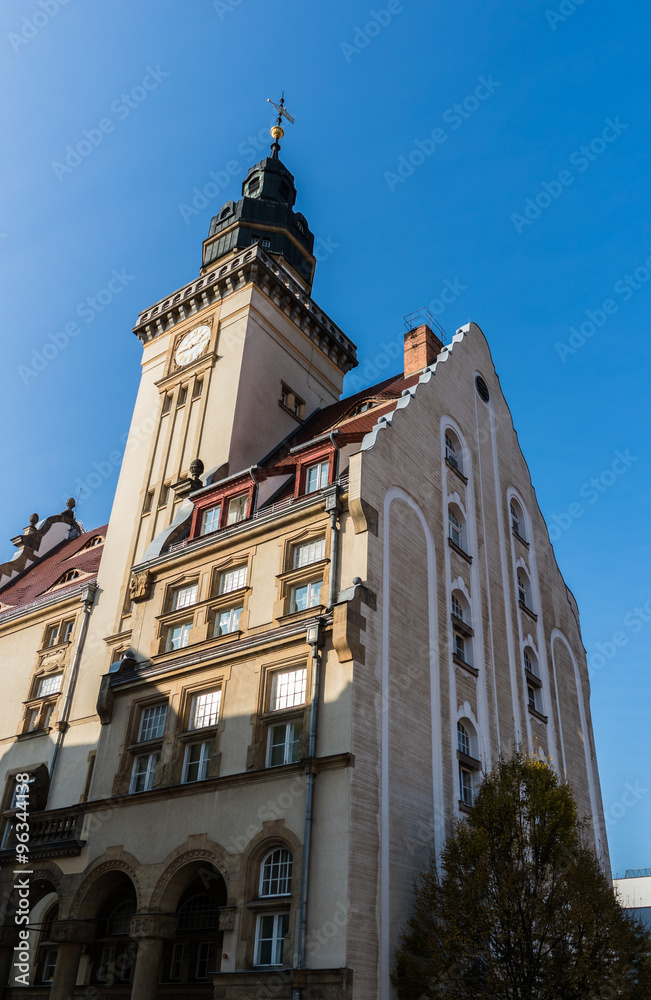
(421, 349)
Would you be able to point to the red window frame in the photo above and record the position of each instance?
(221, 496)
(323, 454)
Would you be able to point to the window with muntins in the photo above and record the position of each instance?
(204, 710)
(276, 873)
(232, 579)
(270, 936)
(451, 452)
(309, 552)
(237, 508)
(283, 743)
(465, 786)
(227, 621)
(49, 685)
(210, 519)
(306, 595)
(196, 760)
(460, 647)
(178, 636)
(457, 610)
(316, 477)
(463, 739)
(455, 528)
(183, 597)
(142, 776)
(288, 689)
(152, 722)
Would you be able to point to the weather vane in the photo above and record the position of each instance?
(277, 130)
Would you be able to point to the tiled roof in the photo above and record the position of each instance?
(42, 575)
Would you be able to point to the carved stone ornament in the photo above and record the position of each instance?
(140, 585)
(73, 931)
(227, 918)
(153, 925)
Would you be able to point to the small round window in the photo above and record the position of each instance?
(482, 389)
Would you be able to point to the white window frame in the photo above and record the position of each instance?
(233, 623)
(207, 748)
(210, 700)
(451, 452)
(184, 597)
(233, 579)
(306, 553)
(515, 519)
(152, 760)
(287, 744)
(146, 714)
(459, 646)
(235, 514)
(312, 595)
(283, 876)
(183, 638)
(279, 933)
(463, 739)
(45, 688)
(288, 689)
(466, 789)
(320, 474)
(455, 528)
(457, 608)
(210, 519)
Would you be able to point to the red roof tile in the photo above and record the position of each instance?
(42, 575)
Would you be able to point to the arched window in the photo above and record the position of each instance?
(47, 952)
(463, 739)
(462, 632)
(453, 451)
(517, 519)
(276, 873)
(456, 527)
(467, 754)
(533, 680)
(112, 952)
(524, 589)
(194, 955)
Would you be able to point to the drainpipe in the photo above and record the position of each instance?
(315, 638)
(87, 599)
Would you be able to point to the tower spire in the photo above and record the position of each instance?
(277, 131)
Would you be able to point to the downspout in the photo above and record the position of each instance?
(315, 638)
(87, 599)
(333, 507)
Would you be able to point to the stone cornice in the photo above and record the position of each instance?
(251, 265)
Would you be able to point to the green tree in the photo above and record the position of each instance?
(519, 908)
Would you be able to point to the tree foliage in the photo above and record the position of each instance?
(519, 908)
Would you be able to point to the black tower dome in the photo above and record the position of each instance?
(265, 215)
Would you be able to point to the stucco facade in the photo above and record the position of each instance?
(315, 623)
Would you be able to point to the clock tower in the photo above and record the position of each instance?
(232, 363)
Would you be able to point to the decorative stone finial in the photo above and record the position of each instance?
(33, 519)
(357, 580)
(196, 468)
(70, 503)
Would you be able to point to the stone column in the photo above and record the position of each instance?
(8, 941)
(70, 936)
(150, 930)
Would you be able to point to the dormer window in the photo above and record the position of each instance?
(210, 519)
(72, 574)
(316, 477)
(266, 244)
(237, 508)
(97, 540)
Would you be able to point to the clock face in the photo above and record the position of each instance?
(193, 345)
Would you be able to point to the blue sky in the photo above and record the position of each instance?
(527, 202)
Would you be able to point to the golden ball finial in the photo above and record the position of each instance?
(277, 132)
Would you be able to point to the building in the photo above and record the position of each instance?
(634, 893)
(314, 624)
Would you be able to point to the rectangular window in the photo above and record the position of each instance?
(142, 776)
(47, 716)
(205, 709)
(149, 502)
(309, 552)
(232, 579)
(164, 495)
(531, 697)
(316, 477)
(270, 938)
(454, 528)
(49, 685)
(459, 646)
(457, 610)
(178, 636)
(198, 389)
(227, 621)
(178, 955)
(32, 719)
(237, 508)
(49, 962)
(210, 519)
(283, 743)
(307, 595)
(152, 722)
(183, 395)
(52, 635)
(204, 958)
(465, 786)
(288, 689)
(184, 596)
(195, 763)
(167, 403)
(451, 452)
(66, 630)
